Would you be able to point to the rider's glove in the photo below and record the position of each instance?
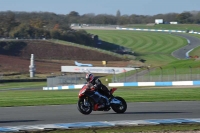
(95, 86)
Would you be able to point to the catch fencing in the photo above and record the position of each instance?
(159, 74)
(67, 79)
(138, 75)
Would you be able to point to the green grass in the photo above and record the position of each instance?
(195, 52)
(37, 97)
(196, 35)
(154, 47)
(22, 85)
(180, 66)
(130, 94)
(184, 64)
(134, 129)
(86, 47)
(182, 27)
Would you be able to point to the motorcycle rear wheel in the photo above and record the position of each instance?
(119, 108)
(84, 109)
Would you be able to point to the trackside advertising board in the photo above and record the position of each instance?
(112, 70)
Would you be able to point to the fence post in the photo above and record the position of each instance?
(149, 73)
(113, 75)
(198, 73)
(175, 73)
(76, 78)
(161, 74)
(125, 76)
(190, 72)
(136, 74)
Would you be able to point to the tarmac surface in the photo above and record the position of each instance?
(193, 42)
(32, 115)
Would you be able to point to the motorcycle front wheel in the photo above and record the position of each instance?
(84, 105)
(119, 107)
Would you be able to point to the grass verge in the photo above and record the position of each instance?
(179, 128)
(130, 94)
(22, 85)
(153, 47)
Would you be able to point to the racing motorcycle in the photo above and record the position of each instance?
(89, 100)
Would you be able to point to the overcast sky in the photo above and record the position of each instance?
(139, 7)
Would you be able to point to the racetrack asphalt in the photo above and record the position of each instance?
(32, 115)
(193, 42)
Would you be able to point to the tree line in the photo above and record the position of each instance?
(57, 26)
(40, 25)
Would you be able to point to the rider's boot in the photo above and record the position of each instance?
(101, 106)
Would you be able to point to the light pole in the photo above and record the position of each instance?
(136, 74)
(149, 73)
(113, 75)
(190, 72)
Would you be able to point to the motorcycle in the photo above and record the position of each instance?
(89, 100)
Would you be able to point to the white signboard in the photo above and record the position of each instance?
(159, 21)
(95, 69)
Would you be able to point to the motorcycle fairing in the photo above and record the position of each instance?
(112, 90)
(93, 95)
(115, 101)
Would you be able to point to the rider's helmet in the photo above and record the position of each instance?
(89, 77)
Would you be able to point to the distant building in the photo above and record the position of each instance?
(173, 22)
(159, 21)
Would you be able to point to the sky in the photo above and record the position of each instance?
(126, 7)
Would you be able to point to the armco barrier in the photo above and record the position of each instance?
(172, 83)
(137, 29)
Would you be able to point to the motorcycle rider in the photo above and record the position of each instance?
(102, 89)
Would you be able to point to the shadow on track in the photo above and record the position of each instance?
(154, 112)
(127, 113)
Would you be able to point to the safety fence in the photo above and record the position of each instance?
(158, 74)
(68, 79)
(137, 75)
